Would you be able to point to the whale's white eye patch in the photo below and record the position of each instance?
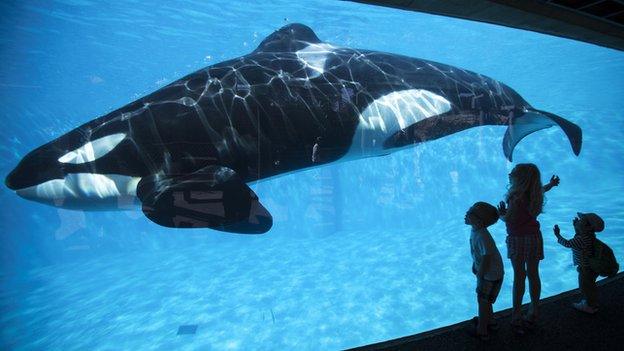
(93, 150)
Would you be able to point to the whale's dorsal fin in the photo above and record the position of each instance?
(213, 197)
(290, 38)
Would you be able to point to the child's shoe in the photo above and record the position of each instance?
(517, 328)
(472, 331)
(529, 323)
(584, 307)
(491, 326)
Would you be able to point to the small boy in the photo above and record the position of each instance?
(487, 264)
(586, 225)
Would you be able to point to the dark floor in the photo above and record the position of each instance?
(560, 327)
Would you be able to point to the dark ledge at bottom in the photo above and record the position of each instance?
(560, 327)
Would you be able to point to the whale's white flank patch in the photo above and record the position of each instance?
(93, 150)
(391, 113)
(314, 57)
(82, 186)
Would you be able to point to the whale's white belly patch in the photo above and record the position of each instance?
(82, 186)
(389, 114)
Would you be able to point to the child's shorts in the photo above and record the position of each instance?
(488, 289)
(525, 246)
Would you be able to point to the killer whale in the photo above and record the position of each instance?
(186, 152)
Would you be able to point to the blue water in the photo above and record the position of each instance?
(360, 252)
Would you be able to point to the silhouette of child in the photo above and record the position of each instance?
(487, 265)
(525, 247)
(586, 225)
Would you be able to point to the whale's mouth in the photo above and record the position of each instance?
(25, 176)
(85, 190)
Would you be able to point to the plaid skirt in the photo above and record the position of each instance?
(525, 246)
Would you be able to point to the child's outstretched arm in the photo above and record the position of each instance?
(554, 181)
(574, 243)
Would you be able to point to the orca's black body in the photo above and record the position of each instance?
(187, 150)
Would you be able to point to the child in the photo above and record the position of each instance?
(525, 248)
(487, 264)
(585, 227)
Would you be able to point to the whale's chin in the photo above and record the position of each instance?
(122, 203)
(86, 191)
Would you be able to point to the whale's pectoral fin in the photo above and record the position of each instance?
(535, 120)
(213, 197)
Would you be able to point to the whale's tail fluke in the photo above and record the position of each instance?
(533, 120)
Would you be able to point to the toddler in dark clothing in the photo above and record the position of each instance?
(586, 225)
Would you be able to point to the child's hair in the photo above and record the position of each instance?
(593, 222)
(526, 181)
(486, 212)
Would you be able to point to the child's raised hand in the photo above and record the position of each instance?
(556, 230)
(502, 208)
(554, 180)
